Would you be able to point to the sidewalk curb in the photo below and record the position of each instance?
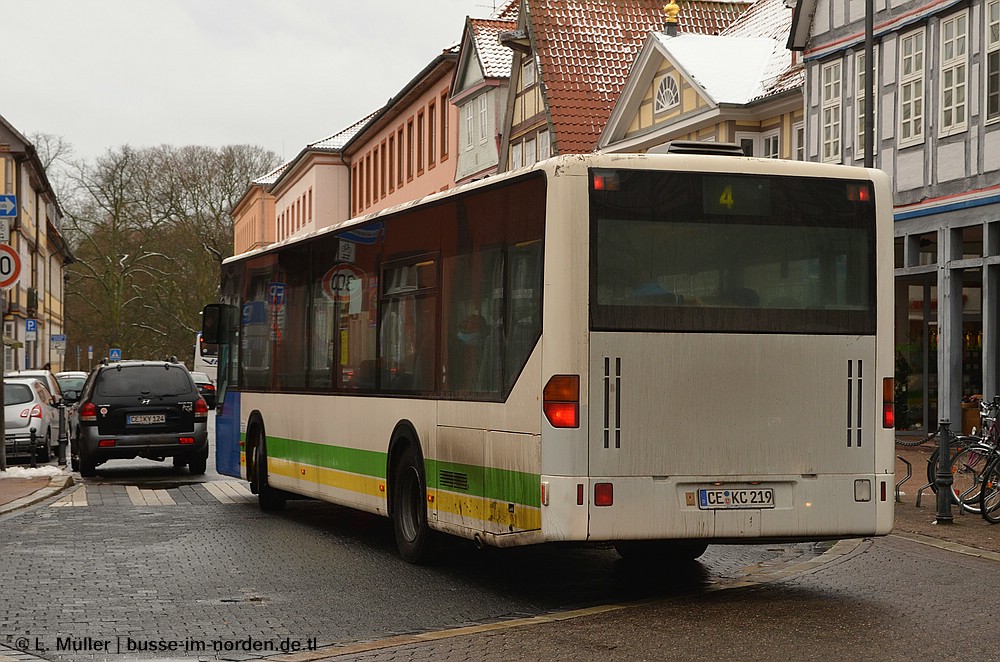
(56, 485)
(942, 543)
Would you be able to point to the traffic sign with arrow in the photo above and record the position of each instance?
(8, 205)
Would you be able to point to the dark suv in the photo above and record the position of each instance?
(149, 409)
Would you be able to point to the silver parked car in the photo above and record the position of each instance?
(28, 406)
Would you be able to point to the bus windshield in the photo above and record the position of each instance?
(706, 252)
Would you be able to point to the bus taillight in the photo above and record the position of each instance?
(888, 402)
(561, 401)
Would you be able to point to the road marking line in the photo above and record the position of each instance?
(229, 491)
(141, 497)
(218, 493)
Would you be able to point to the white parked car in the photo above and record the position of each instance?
(28, 406)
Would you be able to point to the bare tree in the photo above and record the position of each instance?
(150, 228)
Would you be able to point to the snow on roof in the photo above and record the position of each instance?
(339, 139)
(494, 58)
(731, 70)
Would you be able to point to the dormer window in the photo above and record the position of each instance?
(667, 94)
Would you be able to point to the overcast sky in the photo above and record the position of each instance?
(275, 73)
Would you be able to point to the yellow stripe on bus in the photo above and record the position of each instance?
(495, 513)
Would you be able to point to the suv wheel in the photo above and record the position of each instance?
(88, 465)
(198, 464)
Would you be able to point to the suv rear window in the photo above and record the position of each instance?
(16, 394)
(145, 379)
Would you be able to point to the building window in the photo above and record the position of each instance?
(911, 88)
(527, 73)
(516, 150)
(749, 143)
(409, 150)
(444, 125)
(799, 141)
(831, 111)
(993, 60)
(954, 73)
(771, 147)
(420, 141)
(400, 157)
(530, 155)
(861, 102)
(484, 119)
(368, 179)
(392, 162)
(667, 95)
(470, 135)
(544, 144)
(431, 132)
(381, 170)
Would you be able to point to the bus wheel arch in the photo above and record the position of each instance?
(268, 498)
(407, 495)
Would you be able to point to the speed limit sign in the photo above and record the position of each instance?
(10, 266)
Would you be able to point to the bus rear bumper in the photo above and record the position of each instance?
(788, 508)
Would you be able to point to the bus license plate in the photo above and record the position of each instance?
(146, 419)
(721, 499)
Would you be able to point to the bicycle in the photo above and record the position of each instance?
(971, 456)
(989, 493)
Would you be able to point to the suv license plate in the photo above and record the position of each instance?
(722, 499)
(146, 419)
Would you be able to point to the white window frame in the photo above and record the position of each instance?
(911, 88)
(545, 143)
(860, 92)
(992, 61)
(527, 73)
(470, 127)
(770, 144)
(516, 154)
(753, 138)
(831, 117)
(530, 150)
(799, 140)
(668, 94)
(953, 116)
(484, 119)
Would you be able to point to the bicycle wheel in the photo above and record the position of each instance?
(967, 467)
(957, 444)
(989, 494)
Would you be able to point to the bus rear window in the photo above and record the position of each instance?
(681, 251)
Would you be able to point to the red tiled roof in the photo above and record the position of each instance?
(585, 49)
(507, 11)
(494, 58)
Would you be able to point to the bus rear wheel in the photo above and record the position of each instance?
(409, 512)
(268, 498)
(671, 551)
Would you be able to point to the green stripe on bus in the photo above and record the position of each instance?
(486, 482)
(367, 463)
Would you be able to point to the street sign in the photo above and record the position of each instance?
(31, 329)
(90, 351)
(10, 266)
(58, 342)
(4, 230)
(114, 354)
(8, 205)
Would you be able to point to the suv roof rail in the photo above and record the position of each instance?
(700, 147)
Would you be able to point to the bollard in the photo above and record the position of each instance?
(33, 448)
(63, 440)
(943, 479)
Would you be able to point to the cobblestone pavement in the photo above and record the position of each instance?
(199, 565)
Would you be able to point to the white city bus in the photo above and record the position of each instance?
(206, 357)
(657, 351)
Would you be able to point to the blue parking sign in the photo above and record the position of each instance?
(114, 355)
